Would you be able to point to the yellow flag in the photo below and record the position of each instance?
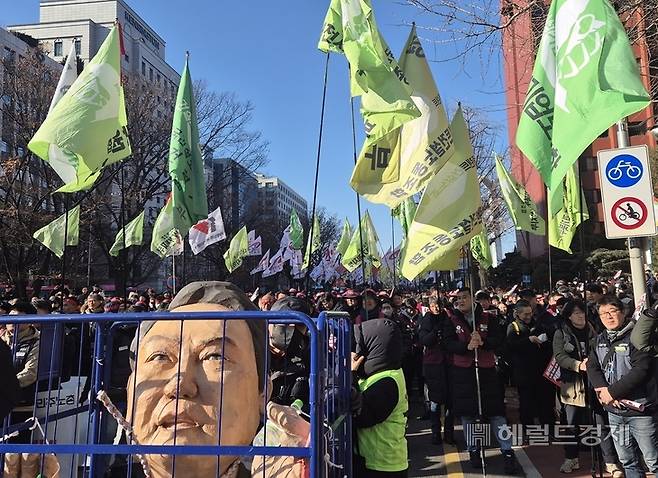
(402, 162)
(450, 211)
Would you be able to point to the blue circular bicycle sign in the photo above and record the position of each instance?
(624, 170)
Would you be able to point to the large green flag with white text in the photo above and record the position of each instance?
(402, 162)
(345, 237)
(386, 102)
(364, 236)
(568, 209)
(481, 249)
(585, 79)
(522, 209)
(188, 188)
(237, 250)
(296, 231)
(52, 234)
(313, 244)
(449, 213)
(87, 128)
(133, 233)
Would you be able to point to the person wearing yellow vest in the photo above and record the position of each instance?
(380, 446)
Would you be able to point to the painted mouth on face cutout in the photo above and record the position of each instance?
(182, 422)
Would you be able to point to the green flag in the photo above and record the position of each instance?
(185, 160)
(312, 245)
(52, 235)
(565, 205)
(345, 237)
(87, 128)
(296, 231)
(585, 79)
(481, 249)
(521, 207)
(450, 210)
(166, 240)
(386, 102)
(331, 38)
(352, 257)
(134, 235)
(401, 163)
(237, 250)
(405, 213)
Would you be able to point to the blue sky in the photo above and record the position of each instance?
(266, 52)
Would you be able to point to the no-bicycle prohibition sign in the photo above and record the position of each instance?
(629, 213)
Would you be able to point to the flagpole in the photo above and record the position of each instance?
(124, 259)
(548, 241)
(173, 274)
(66, 236)
(317, 174)
(358, 200)
(581, 231)
(89, 259)
(393, 246)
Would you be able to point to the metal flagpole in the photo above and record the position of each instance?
(124, 259)
(173, 274)
(89, 259)
(393, 248)
(307, 279)
(66, 237)
(548, 241)
(358, 201)
(634, 243)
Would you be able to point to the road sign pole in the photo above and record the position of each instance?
(635, 249)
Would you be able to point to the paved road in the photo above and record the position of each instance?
(427, 460)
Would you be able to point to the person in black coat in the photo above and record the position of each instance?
(434, 368)
(622, 377)
(11, 390)
(469, 335)
(530, 351)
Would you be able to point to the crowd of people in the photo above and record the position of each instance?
(581, 359)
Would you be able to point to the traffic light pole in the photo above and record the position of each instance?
(635, 244)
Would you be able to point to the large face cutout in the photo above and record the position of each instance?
(212, 372)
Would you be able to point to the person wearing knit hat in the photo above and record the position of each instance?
(185, 373)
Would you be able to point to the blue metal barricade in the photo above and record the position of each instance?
(84, 446)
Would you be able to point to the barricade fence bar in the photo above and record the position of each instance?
(182, 393)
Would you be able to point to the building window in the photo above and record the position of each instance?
(4, 148)
(59, 48)
(144, 68)
(151, 74)
(127, 57)
(78, 46)
(158, 78)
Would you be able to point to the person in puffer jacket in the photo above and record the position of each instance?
(624, 382)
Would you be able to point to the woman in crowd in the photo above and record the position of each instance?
(571, 349)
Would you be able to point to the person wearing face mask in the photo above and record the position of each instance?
(290, 356)
(623, 379)
(380, 447)
(434, 371)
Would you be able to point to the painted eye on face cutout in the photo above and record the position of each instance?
(158, 357)
(213, 357)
